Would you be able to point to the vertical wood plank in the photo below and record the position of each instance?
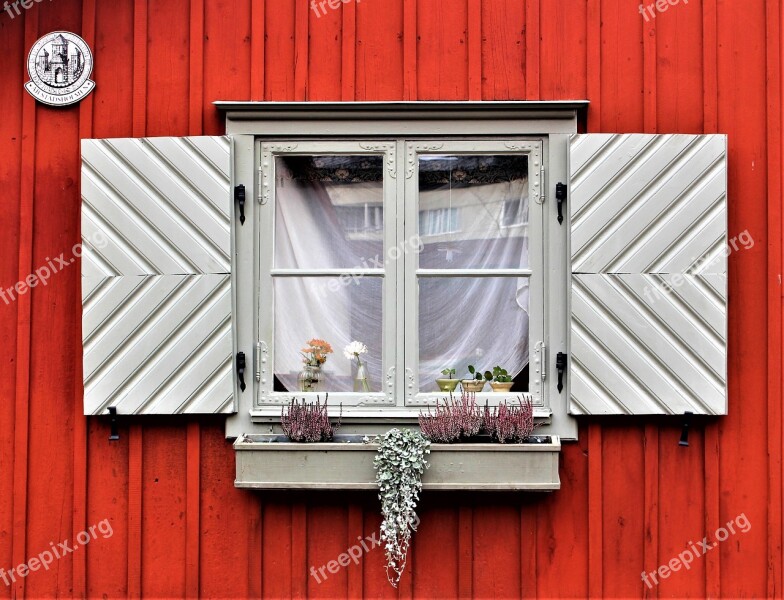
(562, 57)
(196, 68)
(595, 512)
(679, 70)
(435, 559)
(14, 48)
(380, 54)
(532, 49)
(168, 107)
(474, 49)
(712, 509)
(410, 50)
(503, 50)
(621, 509)
(257, 50)
(356, 535)
(743, 457)
(649, 74)
(593, 64)
(299, 550)
(349, 54)
(192, 507)
(465, 551)
(23, 321)
(139, 68)
(255, 548)
(710, 66)
(301, 39)
(651, 503)
(495, 540)
(135, 484)
(680, 509)
(775, 105)
(528, 538)
(442, 56)
(621, 67)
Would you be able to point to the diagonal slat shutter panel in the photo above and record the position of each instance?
(649, 274)
(156, 275)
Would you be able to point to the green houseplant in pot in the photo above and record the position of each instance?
(476, 382)
(502, 381)
(447, 384)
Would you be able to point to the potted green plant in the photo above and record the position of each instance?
(447, 384)
(476, 382)
(502, 381)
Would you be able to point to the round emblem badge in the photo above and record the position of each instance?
(60, 65)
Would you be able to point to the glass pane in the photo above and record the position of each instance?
(480, 321)
(329, 211)
(473, 211)
(336, 310)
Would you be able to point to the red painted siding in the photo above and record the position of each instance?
(631, 498)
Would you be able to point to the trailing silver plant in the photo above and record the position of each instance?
(399, 466)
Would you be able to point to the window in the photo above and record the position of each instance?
(421, 273)
(591, 266)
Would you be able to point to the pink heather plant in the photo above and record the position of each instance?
(452, 421)
(510, 423)
(308, 422)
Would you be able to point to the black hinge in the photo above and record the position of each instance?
(241, 365)
(239, 198)
(560, 366)
(114, 435)
(560, 196)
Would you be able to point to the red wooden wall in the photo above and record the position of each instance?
(631, 498)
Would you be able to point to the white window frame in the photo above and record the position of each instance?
(412, 272)
(267, 271)
(252, 124)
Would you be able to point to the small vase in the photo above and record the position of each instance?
(499, 386)
(473, 385)
(309, 378)
(361, 379)
(447, 385)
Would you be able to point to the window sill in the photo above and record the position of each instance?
(263, 463)
(402, 416)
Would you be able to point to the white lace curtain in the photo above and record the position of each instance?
(462, 320)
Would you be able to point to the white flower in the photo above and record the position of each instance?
(354, 349)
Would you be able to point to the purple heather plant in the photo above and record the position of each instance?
(510, 423)
(453, 420)
(303, 422)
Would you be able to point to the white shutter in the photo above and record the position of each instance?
(649, 274)
(156, 275)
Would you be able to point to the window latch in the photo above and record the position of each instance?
(241, 365)
(239, 197)
(560, 196)
(560, 366)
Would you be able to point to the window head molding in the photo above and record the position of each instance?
(503, 118)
